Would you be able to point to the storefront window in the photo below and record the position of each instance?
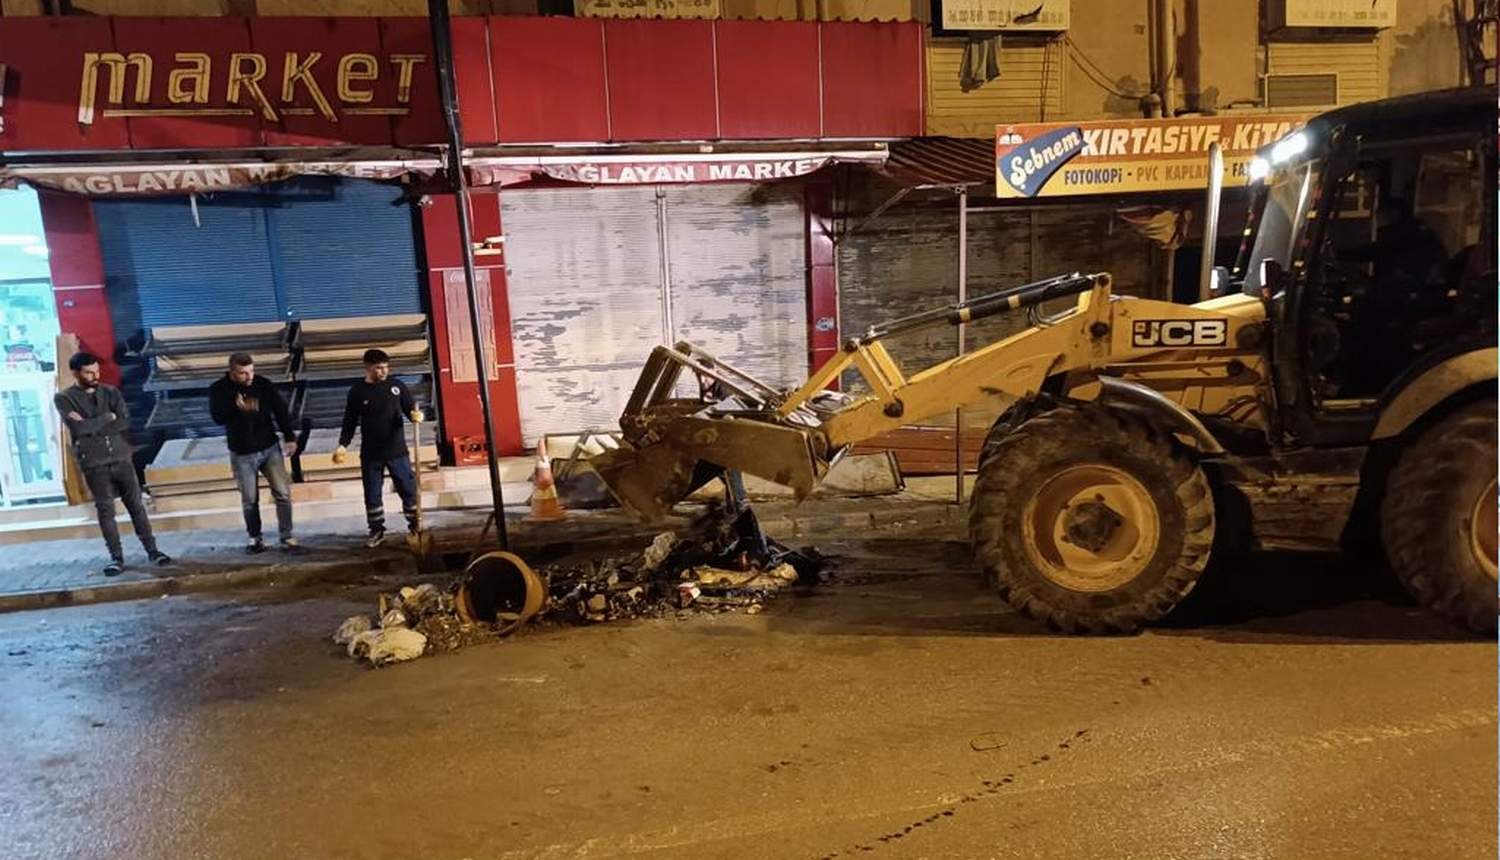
(30, 449)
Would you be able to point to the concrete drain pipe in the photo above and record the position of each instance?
(501, 589)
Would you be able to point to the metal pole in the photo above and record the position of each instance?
(442, 49)
(1211, 219)
(963, 296)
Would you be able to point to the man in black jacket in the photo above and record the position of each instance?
(250, 410)
(97, 421)
(376, 407)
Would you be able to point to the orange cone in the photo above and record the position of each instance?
(544, 502)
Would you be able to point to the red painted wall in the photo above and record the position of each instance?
(549, 79)
(872, 79)
(471, 69)
(822, 276)
(459, 401)
(43, 61)
(520, 80)
(661, 80)
(768, 72)
(78, 277)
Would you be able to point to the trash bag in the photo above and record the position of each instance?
(352, 627)
(388, 645)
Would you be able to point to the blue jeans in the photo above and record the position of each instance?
(401, 478)
(247, 471)
(734, 489)
(112, 481)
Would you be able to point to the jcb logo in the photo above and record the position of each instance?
(1149, 333)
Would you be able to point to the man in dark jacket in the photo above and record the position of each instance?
(250, 410)
(376, 407)
(95, 416)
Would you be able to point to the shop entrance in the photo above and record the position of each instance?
(30, 440)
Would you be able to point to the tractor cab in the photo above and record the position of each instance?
(1371, 239)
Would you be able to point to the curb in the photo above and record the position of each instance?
(281, 575)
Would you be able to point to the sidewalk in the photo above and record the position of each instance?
(66, 572)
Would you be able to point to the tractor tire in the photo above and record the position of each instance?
(1438, 518)
(1089, 520)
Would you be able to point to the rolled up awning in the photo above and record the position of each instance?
(665, 168)
(149, 180)
(103, 176)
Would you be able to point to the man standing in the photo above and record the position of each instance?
(96, 419)
(250, 410)
(376, 406)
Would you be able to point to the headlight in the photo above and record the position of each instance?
(1287, 147)
(1259, 169)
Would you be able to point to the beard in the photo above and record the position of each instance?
(90, 385)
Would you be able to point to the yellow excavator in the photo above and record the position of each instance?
(1340, 385)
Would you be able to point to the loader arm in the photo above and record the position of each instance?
(673, 445)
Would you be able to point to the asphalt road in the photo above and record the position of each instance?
(1304, 712)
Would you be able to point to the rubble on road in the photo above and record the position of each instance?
(722, 563)
(415, 620)
(388, 645)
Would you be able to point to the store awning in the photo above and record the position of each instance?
(133, 175)
(941, 162)
(145, 180)
(668, 165)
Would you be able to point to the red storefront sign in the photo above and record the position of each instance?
(663, 171)
(148, 180)
(151, 180)
(106, 84)
(163, 83)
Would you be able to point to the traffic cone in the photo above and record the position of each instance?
(544, 502)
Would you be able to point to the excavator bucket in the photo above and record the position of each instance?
(671, 446)
(579, 486)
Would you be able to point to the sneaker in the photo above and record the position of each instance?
(114, 568)
(256, 546)
(290, 544)
(160, 559)
(375, 539)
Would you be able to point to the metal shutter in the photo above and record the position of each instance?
(738, 274)
(1359, 72)
(906, 261)
(345, 250)
(585, 279)
(161, 269)
(1031, 87)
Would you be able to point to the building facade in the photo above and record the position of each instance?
(755, 175)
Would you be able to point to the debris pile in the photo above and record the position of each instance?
(413, 621)
(722, 563)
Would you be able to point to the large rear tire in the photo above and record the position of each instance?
(1438, 518)
(1090, 520)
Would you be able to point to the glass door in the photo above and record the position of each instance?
(30, 445)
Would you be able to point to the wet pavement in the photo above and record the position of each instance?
(1302, 710)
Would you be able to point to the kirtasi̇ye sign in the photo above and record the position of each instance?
(1055, 160)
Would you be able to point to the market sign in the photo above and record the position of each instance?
(245, 83)
(148, 180)
(1112, 157)
(665, 171)
(105, 84)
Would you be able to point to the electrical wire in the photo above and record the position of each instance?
(1094, 72)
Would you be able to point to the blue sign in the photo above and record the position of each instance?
(1028, 166)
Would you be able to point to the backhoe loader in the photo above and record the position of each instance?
(1340, 385)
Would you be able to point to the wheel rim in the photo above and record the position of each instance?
(1091, 528)
(1484, 530)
